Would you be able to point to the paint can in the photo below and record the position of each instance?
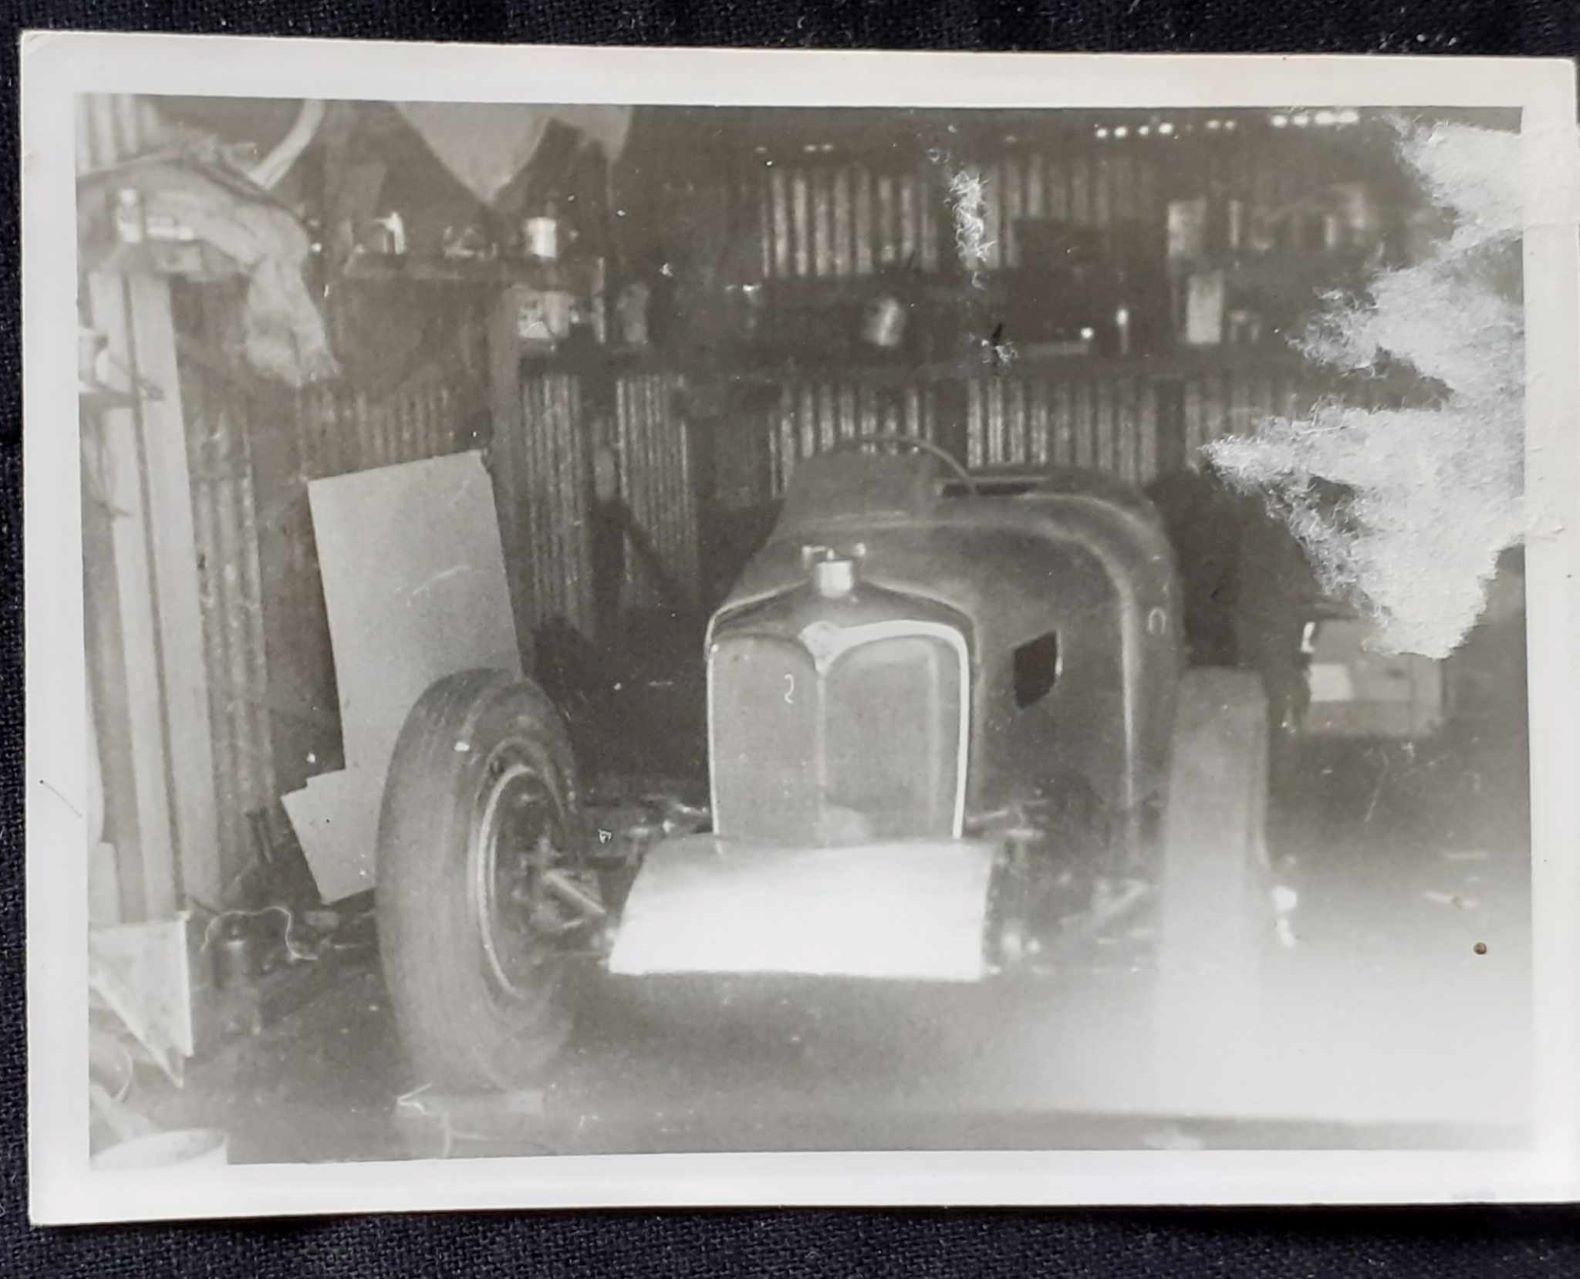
(559, 313)
(884, 325)
(541, 238)
(545, 315)
(389, 235)
(631, 314)
(235, 957)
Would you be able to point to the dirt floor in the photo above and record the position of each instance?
(1397, 1018)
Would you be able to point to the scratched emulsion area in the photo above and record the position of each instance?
(967, 194)
(967, 199)
(1403, 511)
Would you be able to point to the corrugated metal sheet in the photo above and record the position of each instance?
(813, 416)
(432, 414)
(822, 217)
(252, 448)
(1106, 422)
(552, 484)
(656, 486)
(834, 221)
(219, 427)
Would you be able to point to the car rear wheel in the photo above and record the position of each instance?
(484, 898)
(1216, 916)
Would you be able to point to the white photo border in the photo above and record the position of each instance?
(56, 67)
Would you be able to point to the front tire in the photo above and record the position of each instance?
(479, 805)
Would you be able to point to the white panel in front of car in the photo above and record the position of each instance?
(913, 910)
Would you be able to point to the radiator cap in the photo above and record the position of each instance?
(834, 576)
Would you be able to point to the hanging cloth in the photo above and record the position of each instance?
(487, 144)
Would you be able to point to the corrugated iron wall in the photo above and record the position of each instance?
(1103, 187)
(819, 214)
(1107, 423)
(431, 414)
(814, 415)
(822, 215)
(822, 219)
(656, 484)
(222, 415)
(552, 460)
(253, 448)
(1106, 420)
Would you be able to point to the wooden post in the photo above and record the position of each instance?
(1173, 445)
(160, 615)
(191, 757)
(954, 431)
(116, 888)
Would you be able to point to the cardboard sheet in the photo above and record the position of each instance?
(336, 819)
(912, 911)
(415, 588)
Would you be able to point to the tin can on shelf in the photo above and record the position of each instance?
(540, 237)
(884, 323)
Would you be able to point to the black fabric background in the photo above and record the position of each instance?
(918, 1245)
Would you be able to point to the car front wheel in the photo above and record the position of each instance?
(485, 903)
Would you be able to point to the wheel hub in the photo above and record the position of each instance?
(528, 895)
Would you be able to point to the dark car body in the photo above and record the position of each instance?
(1004, 643)
(950, 736)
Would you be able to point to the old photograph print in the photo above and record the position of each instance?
(627, 629)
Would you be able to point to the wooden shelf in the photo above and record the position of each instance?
(499, 272)
(1181, 364)
(745, 369)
